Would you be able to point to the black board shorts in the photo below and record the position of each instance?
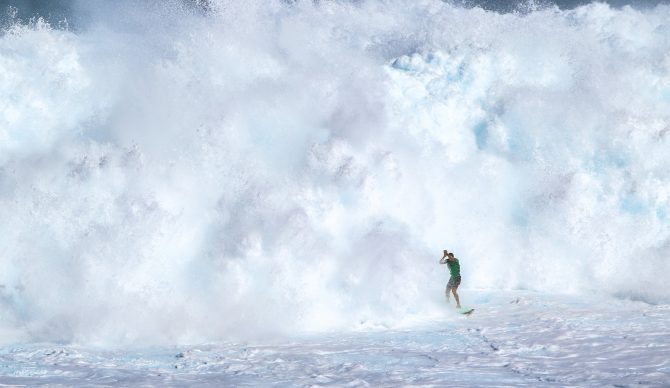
(454, 282)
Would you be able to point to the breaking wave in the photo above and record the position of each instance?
(169, 174)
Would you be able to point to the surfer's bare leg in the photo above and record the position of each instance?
(458, 301)
(446, 292)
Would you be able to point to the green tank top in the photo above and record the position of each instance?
(454, 268)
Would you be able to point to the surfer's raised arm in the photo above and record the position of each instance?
(443, 260)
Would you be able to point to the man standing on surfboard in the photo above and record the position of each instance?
(455, 278)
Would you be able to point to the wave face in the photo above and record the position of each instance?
(169, 174)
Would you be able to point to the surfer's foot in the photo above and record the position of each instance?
(458, 306)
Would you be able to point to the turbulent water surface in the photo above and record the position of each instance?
(176, 173)
(515, 339)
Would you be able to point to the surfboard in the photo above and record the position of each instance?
(466, 310)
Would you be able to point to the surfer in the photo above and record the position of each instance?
(455, 278)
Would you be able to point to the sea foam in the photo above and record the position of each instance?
(174, 175)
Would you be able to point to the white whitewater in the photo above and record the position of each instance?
(173, 176)
(514, 339)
